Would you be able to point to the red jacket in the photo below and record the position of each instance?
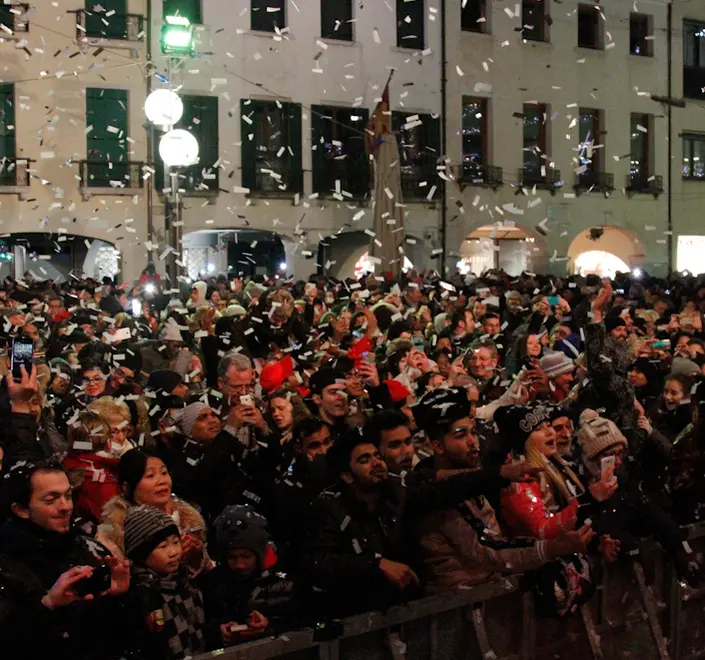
(524, 512)
(97, 484)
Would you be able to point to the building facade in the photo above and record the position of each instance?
(557, 123)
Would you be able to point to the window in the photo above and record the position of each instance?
(533, 20)
(694, 156)
(337, 19)
(474, 138)
(694, 44)
(8, 149)
(693, 60)
(106, 19)
(15, 17)
(191, 9)
(589, 27)
(534, 149)
(106, 149)
(639, 32)
(473, 15)
(200, 118)
(640, 166)
(340, 163)
(267, 15)
(271, 146)
(410, 24)
(589, 148)
(419, 137)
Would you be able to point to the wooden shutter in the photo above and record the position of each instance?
(432, 151)
(200, 118)
(106, 112)
(295, 181)
(7, 122)
(109, 27)
(361, 161)
(336, 12)
(248, 150)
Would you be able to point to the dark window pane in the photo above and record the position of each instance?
(191, 9)
(419, 148)
(588, 27)
(266, 15)
(410, 24)
(589, 128)
(336, 19)
(638, 33)
(471, 11)
(533, 19)
(694, 156)
(534, 142)
(639, 144)
(99, 24)
(474, 137)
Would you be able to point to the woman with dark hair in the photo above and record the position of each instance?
(672, 411)
(145, 479)
(287, 409)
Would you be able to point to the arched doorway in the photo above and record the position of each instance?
(47, 256)
(249, 252)
(605, 250)
(512, 248)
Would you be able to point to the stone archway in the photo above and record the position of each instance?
(511, 247)
(604, 250)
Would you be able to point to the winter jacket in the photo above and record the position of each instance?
(168, 616)
(526, 513)
(94, 480)
(463, 545)
(111, 532)
(31, 560)
(230, 599)
(608, 365)
(345, 540)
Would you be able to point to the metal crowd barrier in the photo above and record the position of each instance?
(633, 616)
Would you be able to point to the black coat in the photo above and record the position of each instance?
(31, 560)
(345, 540)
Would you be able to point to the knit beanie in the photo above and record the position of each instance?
(570, 346)
(189, 415)
(440, 407)
(164, 381)
(517, 423)
(647, 367)
(145, 528)
(323, 378)
(240, 526)
(684, 367)
(556, 364)
(597, 434)
(235, 310)
(612, 322)
(171, 331)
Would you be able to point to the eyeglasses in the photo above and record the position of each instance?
(94, 381)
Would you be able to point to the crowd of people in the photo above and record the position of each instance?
(185, 474)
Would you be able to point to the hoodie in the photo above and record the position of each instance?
(201, 288)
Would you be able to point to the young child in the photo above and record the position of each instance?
(170, 605)
(92, 466)
(247, 594)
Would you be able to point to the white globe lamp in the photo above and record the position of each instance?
(164, 108)
(178, 148)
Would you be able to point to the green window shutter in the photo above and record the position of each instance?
(191, 9)
(248, 150)
(200, 118)
(295, 181)
(109, 27)
(319, 126)
(106, 112)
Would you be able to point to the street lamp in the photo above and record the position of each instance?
(164, 108)
(178, 148)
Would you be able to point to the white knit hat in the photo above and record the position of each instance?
(597, 434)
(171, 331)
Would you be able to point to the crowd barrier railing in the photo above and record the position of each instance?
(639, 612)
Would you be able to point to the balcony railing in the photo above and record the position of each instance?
(594, 182)
(647, 184)
(693, 82)
(117, 175)
(13, 17)
(482, 175)
(98, 25)
(15, 172)
(551, 181)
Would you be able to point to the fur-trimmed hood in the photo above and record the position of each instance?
(111, 531)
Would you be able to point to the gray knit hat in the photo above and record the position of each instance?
(186, 419)
(145, 528)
